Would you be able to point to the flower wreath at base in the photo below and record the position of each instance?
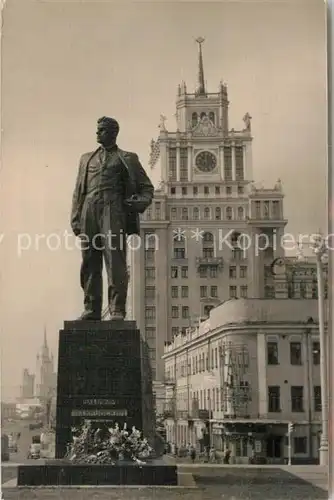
(107, 445)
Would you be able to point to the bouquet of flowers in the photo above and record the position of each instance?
(107, 446)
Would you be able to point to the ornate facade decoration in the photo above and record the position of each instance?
(205, 128)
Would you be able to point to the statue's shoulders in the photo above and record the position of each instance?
(86, 156)
(129, 154)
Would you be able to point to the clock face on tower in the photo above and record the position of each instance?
(206, 161)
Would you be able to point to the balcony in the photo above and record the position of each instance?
(210, 261)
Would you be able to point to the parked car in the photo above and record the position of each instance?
(35, 425)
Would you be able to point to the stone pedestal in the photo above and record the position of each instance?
(104, 376)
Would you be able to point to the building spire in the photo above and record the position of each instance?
(200, 90)
(45, 341)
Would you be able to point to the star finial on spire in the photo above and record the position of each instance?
(200, 90)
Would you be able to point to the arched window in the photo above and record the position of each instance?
(218, 213)
(229, 213)
(240, 213)
(212, 116)
(208, 237)
(196, 213)
(206, 213)
(208, 249)
(194, 119)
(235, 239)
(203, 115)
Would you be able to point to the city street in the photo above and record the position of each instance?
(211, 483)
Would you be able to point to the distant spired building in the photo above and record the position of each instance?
(45, 379)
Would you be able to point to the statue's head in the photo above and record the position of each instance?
(107, 131)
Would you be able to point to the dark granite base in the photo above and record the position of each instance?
(102, 475)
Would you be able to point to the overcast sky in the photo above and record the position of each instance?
(64, 64)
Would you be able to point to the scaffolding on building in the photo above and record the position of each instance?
(236, 391)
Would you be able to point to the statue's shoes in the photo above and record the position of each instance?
(89, 317)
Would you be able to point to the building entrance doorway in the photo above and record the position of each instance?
(274, 446)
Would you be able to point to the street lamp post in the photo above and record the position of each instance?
(320, 249)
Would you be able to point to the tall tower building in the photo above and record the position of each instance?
(200, 238)
(45, 377)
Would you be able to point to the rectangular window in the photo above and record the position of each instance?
(213, 272)
(157, 207)
(217, 189)
(239, 163)
(183, 164)
(272, 353)
(175, 312)
(243, 271)
(172, 164)
(233, 292)
(228, 163)
(184, 272)
(257, 210)
(295, 353)
(203, 291)
(297, 398)
(206, 190)
(232, 272)
(150, 273)
(274, 399)
(317, 397)
(174, 272)
(184, 292)
(195, 190)
(184, 190)
(185, 312)
(150, 313)
(179, 253)
(243, 292)
(208, 253)
(214, 291)
(175, 292)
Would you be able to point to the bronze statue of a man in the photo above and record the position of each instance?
(111, 190)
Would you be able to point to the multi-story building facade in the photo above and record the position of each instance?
(28, 385)
(45, 377)
(243, 375)
(198, 239)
